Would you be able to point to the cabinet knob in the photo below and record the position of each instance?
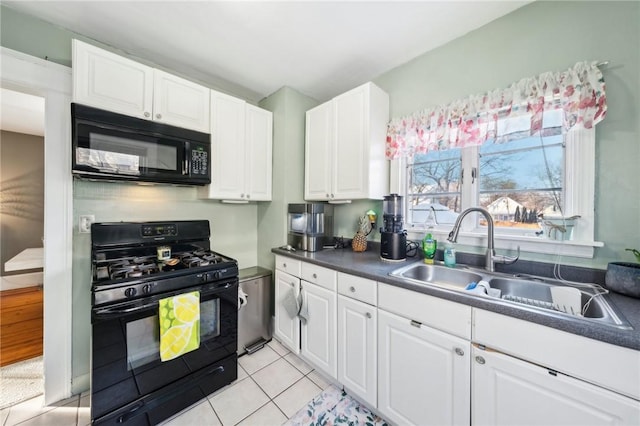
(332, 196)
(158, 116)
(241, 195)
(368, 314)
(327, 195)
(352, 289)
(147, 114)
(284, 265)
(480, 360)
(459, 352)
(247, 196)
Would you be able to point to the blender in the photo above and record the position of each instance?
(393, 238)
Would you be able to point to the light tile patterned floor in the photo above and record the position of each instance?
(273, 384)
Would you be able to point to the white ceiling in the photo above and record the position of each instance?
(252, 49)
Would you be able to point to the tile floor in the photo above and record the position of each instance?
(273, 384)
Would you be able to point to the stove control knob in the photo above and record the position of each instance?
(146, 289)
(217, 275)
(130, 292)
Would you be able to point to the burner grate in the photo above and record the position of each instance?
(124, 266)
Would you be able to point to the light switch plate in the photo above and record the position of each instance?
(84, 224)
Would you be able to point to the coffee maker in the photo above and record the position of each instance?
(393, 238)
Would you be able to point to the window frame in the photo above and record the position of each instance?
(579, 199)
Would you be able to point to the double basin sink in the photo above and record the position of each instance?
(522, 291)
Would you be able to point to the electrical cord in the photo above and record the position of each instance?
(412, 248)
(340, 243)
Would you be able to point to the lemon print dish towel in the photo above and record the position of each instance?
(179, 325)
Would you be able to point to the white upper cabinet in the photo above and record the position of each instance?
(104, 80)
(345, 147)
(241, 151)
(108, 81)
(317, 162)
(259, 142)
(227, 147)
(180, 102)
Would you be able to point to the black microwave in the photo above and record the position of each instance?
(112, 146)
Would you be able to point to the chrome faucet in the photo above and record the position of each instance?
(491, 256)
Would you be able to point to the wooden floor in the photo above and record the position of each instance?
(20, 324)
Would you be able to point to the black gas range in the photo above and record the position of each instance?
(134, 267)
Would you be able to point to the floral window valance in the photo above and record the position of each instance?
(552, 102)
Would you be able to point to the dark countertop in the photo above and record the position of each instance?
(369, 265)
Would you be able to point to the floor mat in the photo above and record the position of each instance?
(334, 407)
(21, 381)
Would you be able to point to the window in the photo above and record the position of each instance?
(516, 181)
(521, 180)
(434, 188)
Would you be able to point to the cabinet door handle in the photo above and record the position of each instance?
(158, 116)
(368, 314)
(480, 360)
(352, 289)
(416, 323)
(147, 114)
(459, 352)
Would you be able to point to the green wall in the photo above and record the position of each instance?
(35, 37)
(549, 36)
(288, 107)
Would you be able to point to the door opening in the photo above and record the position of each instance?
(21, 246)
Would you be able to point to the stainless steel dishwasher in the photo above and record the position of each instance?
(254, 301)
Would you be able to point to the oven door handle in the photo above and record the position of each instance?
(109, 312)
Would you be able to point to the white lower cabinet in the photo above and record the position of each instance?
(509, 391)
(318, 341)
(357, 349)
(423, 373)
(409, 356)
(286, 328)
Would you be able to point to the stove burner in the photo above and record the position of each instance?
(138, 266)
(200, 258)
(120, 270)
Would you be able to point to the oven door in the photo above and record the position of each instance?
(126, 363)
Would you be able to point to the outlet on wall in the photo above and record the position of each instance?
(84, 224)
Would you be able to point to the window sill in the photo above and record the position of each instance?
(510, 243)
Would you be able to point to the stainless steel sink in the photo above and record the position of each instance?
(421, 273)
(527, 292)
(537, 293)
